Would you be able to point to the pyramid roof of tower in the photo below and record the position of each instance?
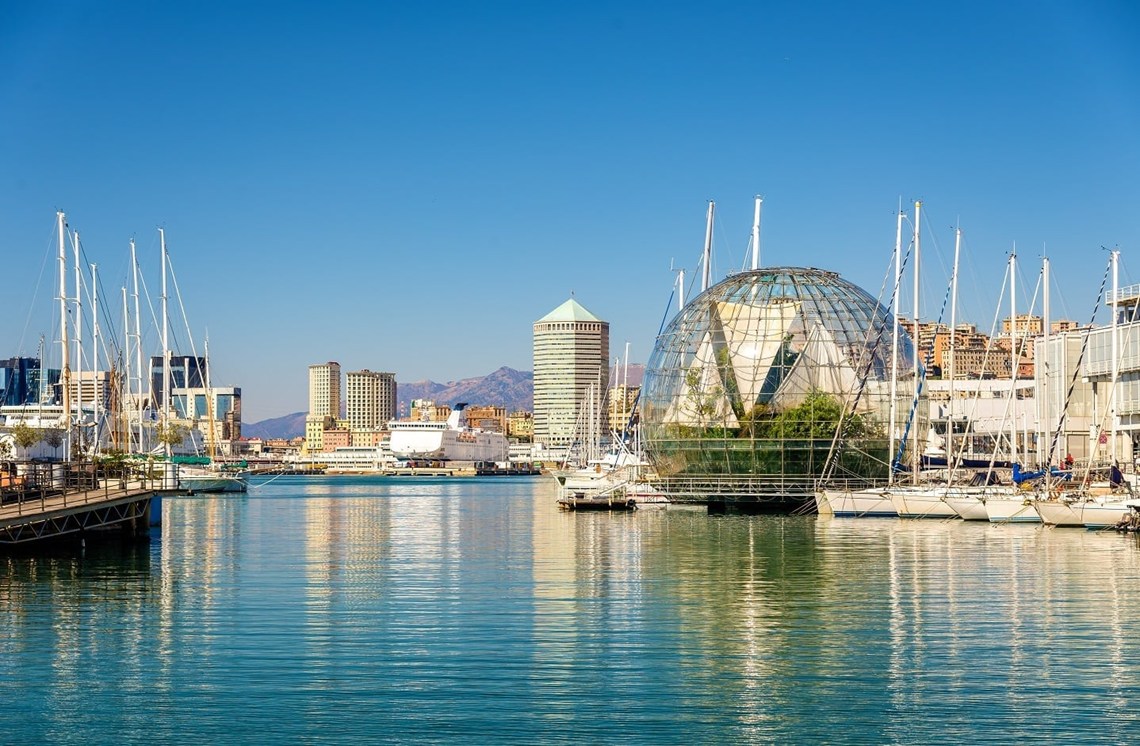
(571, 310)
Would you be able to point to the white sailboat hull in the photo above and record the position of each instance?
(1011, 509)
(212, 483)
(918, 503)
(968, 507)
(1098, 515)
(870, 503)
(1058, 513)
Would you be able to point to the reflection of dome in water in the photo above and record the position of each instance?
(750, 377)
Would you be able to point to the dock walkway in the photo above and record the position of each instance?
(36, 513)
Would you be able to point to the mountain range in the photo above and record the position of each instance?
(505, 387)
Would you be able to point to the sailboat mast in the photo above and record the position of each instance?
(211, 431)
(138, 346)
(165, 336)
(125, 367)
(1115, 354)
(917, 378)
(65, 364)
(756, 233)
(953, 354)
(78, 337)
(895, 345)
(1042, 365)
(95, 356)
(1013, 352)
(706, 257)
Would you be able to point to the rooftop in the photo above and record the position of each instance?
(571, 310)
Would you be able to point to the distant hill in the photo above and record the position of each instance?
(288, 426)
(506, 387)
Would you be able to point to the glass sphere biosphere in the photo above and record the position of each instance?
(755, 376)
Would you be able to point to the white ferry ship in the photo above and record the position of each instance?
(446, 441)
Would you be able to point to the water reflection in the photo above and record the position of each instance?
(475, 610)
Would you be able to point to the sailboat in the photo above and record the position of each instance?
(210, 477)
(875, 501)
(920, 501)
(1092, 505)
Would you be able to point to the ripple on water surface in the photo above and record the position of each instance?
(469, 609)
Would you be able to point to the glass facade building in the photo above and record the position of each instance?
(748, 383)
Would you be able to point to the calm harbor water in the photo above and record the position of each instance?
(338, 609)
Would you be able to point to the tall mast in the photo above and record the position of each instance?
(95, 356)
(65, 364)
(78, 337)
(625, 393)
(953, 353)
(125, 368)
(756, 233)
(895, 344)
(138, 348)
(680, 289)
(1115, 354)
(1013, 352)
(917, 378)
(165, 336)
(1042, 365)
(706, 258)
(211, 447)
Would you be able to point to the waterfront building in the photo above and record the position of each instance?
(186, 372)
(19, 381)
(520, 425)
(1072, 417)
(490, 418)
(334, 438)
(976, 361)
(216, 411)
(619, 407)
(324, 402)
(1112, 367)
(369, 438)
(92, 388)
(571, 354)
(370, 399)
(1023, 326)
(426, 410)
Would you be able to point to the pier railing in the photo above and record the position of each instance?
(30, 487)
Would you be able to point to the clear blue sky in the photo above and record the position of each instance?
(408, 186)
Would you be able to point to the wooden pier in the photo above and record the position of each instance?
(50, 501)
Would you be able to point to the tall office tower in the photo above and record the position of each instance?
(370, 399)
(186, 372)
(571, 352)
(324, 402)
(19, 381)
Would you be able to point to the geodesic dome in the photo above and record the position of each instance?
(753, 376)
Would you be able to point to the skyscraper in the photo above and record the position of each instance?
(324, 402)
(571, 352)
(370, 399)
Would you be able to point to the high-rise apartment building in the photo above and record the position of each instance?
(370, 399)
(324, 402)
(571, 353)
